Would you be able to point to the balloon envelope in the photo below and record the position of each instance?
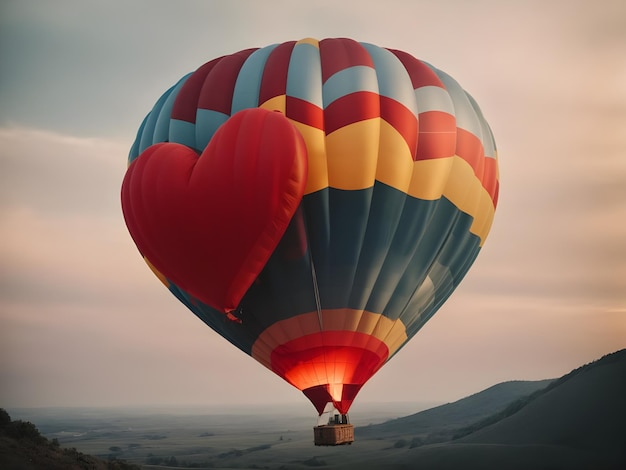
(400, 195)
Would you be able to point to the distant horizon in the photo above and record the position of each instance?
(360, 406)
(303, 404)
(291, 405)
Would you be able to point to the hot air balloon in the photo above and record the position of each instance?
(314, 203)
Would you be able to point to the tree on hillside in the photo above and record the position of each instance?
(4, 417)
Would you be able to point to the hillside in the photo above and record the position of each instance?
(440, 422)
(22, 447)
(577, 422)
(585, 410)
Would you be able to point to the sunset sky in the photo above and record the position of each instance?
(84, 322)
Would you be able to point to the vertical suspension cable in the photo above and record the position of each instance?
(316, 292)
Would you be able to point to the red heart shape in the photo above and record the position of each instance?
(209, 223)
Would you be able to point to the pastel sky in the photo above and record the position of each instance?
(84, 322)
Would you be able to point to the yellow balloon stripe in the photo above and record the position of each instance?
(352, 153)
(467, 193)
(395, 163)
(277, 103)
(484, 217)
(311, 41)
(430, 177)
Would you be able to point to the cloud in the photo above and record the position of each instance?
(60, 175)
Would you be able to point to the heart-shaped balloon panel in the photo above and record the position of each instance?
(400, 195)
(210, 223)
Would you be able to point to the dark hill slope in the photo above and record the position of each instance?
(22, 447)
(578, 422)
(452, 416)
(585, 410)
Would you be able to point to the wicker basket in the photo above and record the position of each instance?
(333, 434)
